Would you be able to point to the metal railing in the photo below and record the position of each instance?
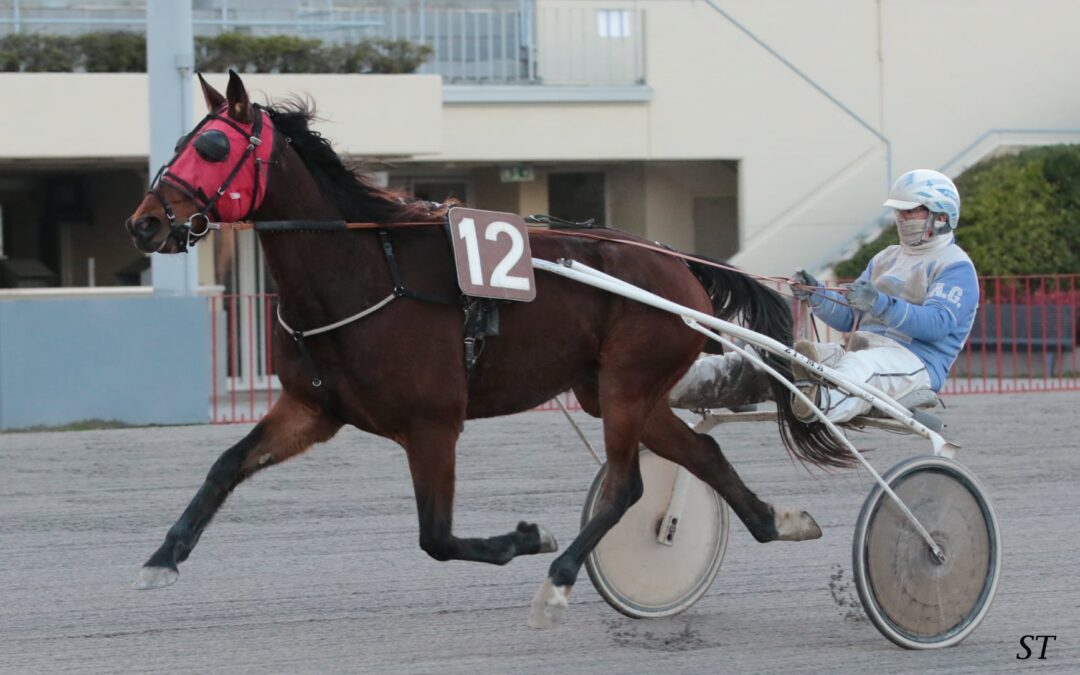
(473, 41)
(244, 384)
(1025, 339)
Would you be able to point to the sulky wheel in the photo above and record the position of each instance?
(914, 599)
(637, 574)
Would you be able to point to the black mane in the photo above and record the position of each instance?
(352, 190)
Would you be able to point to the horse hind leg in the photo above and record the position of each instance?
(289, 429)
(669, 437)
(431, 455)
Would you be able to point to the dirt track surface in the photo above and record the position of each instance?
(313, 566)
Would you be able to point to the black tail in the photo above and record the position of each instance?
(765, 311)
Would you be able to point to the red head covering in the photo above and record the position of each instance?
(223, 153)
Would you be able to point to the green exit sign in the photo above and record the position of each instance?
(516, 174)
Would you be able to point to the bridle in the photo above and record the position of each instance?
(184, 233)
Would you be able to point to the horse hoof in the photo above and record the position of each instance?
(795, 525)
(548, 605)
(548, 542)
(155, 577)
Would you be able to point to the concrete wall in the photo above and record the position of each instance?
(136, 360)
(85, 115)
(670, 189)
(494, 195)
(931, 76)
(571, 50)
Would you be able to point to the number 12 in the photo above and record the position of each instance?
(499, 276)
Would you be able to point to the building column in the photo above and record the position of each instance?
(170, 60)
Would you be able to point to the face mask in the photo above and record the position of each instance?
(911, 231)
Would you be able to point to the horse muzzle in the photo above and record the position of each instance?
(148, 233)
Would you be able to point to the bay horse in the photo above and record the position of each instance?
(399, 372)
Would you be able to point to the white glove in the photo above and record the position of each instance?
(803, 279)
(861, 295)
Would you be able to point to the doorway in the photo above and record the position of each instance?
(577, 196)
(439, 190)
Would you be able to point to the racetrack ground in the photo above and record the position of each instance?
(313, 566)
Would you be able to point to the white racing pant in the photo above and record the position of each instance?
(873, 359)
(721, 381)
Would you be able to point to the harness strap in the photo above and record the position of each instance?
(399, 288)
(316, 377)
(337, 324)
(305, 356)
(309, 363)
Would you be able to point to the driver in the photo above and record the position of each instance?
(911, 309)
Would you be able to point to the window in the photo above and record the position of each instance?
(613, 23)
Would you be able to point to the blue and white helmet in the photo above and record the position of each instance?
(929, 188)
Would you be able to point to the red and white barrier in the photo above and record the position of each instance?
(1025, 339)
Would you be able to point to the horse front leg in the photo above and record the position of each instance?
(622, 488)
(431, 454)
(288, 429)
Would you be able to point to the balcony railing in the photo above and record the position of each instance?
(474, 41)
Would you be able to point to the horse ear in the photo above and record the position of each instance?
(239, 103)
(213, 97)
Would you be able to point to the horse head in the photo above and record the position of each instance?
(218, 173)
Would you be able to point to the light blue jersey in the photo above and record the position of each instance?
(927, 303)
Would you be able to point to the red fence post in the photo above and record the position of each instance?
(213, 360)
(982, 347)
(233, 354)
(1074, 303)
(251, 355)
(999, 357)
(1060, 304)
(1012, 329)
(268, 348)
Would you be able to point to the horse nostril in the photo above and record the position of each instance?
(146, 226)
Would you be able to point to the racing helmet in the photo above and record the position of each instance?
(929, 188)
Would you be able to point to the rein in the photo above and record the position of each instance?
(399, 290)
(312, 225)
(339, 225)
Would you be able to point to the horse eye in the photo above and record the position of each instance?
(213, 145)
